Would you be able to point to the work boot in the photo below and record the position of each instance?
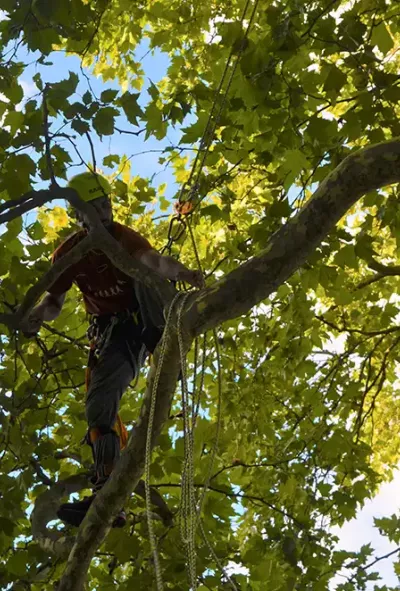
(74, 513)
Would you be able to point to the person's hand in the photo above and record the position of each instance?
(32, 324)
(194, 278)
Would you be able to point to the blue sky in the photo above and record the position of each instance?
(144, 154)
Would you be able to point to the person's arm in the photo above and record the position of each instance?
(170, 268)
(48, 309)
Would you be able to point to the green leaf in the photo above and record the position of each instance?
(6, 526)
(38, 81)
(17, 563)
(163, 203)
(12, 90)
(382, 38)
(111, 160)
(80, 126)
(295, 163)
(107, 96)
(155, 123)
(214, 212)
(280, 209)
(3, 108)
(194, 132)
(59, 92)
(87, 97)
(14, 119)
(68, 86)
(346, 257)
(129, 103)
(153, 91)
(335, 80)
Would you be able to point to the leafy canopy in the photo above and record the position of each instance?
(310, 383)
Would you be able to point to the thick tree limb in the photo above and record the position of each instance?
(126, 475)
(27, 202)
(288, 249)
(45, 510)
(44, 283)
(33, 294)
(98, 237)
(47, 503)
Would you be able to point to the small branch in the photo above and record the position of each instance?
(40, 474)
(26, 203)
(384, 269)
(137, 133)
(371, 564)
(46, 134)
(231, 494)
(66, 337)
(95, 32)
(261, 465)
(388, 555)
(92, 150)
(369, 333)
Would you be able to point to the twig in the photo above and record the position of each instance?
(66, 337)
(40, 473)
(320, 15)
(260, 465)
(369, 333)
(92, 150)
(137, 133)
(95, 32)
(230, 493)
(388, 555)
(46, 134)
(20, 201)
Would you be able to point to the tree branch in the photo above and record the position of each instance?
(98, 237)
(389, 270)
(125, 477)
(25, 203)
(233, 495)
(45, 510)
(288, 249)
(50, 168)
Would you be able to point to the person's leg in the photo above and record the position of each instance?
(109, 379)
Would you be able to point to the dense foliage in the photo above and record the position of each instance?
(310, 383)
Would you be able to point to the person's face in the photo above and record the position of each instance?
(103, 208)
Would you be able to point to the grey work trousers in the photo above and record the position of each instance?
(111, 374)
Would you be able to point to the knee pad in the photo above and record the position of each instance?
(96, 433)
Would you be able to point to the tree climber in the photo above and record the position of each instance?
(118, 327)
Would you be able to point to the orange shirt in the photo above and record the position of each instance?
(105, 288)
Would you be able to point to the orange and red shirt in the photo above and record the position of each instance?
(105, 288)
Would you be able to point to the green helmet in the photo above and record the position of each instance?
(90, 185)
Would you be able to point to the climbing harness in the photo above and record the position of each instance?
(99, 334)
